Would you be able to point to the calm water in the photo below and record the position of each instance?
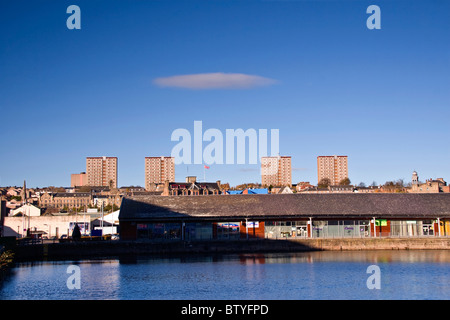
(316, 275)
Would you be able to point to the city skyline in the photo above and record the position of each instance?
(136, 72)
(275, 171)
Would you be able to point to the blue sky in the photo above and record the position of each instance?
(379, 96)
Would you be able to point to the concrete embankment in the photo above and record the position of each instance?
(379, 244)
(104, 249)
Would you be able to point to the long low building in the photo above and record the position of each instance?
(284, 216)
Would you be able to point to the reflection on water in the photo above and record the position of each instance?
(370, 256)
(409, 274)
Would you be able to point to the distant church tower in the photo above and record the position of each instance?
(24, 193)
(415, 178)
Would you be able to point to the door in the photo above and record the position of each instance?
(302, 231)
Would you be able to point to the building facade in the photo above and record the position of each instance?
(158, 170)
(102, 171)
(276, 171)
(334, 168)
(48, 226)
(191, 188)
(430, 185)
(285, 216)
(68, 200)
(78, 179)
(27, 210)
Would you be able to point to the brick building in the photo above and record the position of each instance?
(68, 200)
(276, 171)
(78, 179)
(158, 170)
(102, 171)
(334, 168)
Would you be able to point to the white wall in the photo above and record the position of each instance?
(53, 225)
(30, 210)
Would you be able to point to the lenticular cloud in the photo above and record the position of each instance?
(214, 81)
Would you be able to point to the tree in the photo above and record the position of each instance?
(84, 189)
(324, 183)
(110, 207)
(56, 189)
(76, 233)
(345, 182)
(394, 186)
(225, 186)
(248, 185)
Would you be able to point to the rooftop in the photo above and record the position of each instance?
(344, 206)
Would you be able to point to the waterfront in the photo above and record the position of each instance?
(404, 274)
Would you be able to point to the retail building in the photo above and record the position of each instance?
(275, 216)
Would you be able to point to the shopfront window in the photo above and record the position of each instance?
(198, 231)
(412, 228)
(428, 228)
(285, 229)
(340, 229)
(159, 231)
(318, 229)
(228, 230)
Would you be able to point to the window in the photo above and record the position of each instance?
(228, 230)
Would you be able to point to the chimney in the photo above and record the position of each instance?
(191, 179)
(166, 188)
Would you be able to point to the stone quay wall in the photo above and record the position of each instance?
(106, 249)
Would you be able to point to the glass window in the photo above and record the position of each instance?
(228, 230)
(198, 231)
(160, 231)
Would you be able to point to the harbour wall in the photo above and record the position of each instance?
(107, 249)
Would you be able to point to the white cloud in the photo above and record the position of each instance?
(216, 80)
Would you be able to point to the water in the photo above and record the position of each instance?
(408, 275)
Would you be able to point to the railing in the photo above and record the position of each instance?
(384, 235)
(33, 241)
(29, 241)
